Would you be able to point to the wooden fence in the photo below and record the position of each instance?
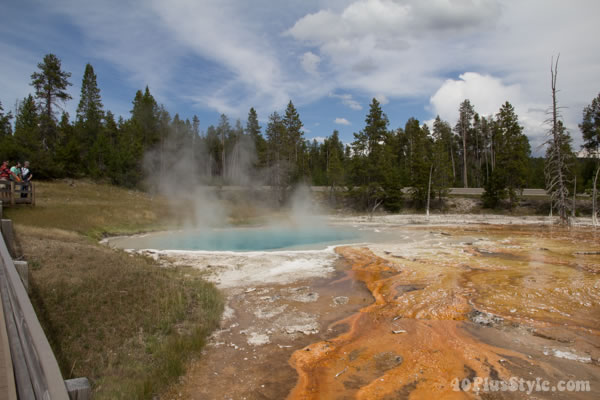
(12, 193)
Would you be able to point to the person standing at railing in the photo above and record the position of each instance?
(4, 171)
(15, 172)
(26, 176)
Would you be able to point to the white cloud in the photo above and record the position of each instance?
(487, 94)
(341, 121)
(382, 18)
(347, 100)
(319, 139)
(310, 62)
(390, 48)
(382, 99)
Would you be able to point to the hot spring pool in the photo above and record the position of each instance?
(242, 239)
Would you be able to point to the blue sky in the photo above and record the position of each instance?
(330, 57)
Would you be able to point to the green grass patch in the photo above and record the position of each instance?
(122, 320)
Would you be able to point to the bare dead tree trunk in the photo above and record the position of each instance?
(453, 166)
(487, 167)
(493, 157)
(574, 194)
(594, 201)
(464, 138)
(429, 189)
(376, 204)
(222, 154)
(478, 156)
(556, 181)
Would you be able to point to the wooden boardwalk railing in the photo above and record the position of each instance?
(12, 193)
(36, 372)
(33, 372)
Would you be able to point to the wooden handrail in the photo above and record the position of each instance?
(11, 193)
(37, 374)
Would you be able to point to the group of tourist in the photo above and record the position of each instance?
(17, 173)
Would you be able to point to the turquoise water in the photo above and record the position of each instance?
(242, 239)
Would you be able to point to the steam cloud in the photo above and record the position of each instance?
(185, 176)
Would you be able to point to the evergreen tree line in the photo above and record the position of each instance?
(490, 152)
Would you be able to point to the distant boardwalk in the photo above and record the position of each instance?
(12, 193)
(452, 191)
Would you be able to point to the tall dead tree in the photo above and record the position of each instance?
(594, 200)
(556, 159)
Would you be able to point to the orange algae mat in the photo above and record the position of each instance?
(412, 341)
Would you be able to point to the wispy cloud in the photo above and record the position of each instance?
(310, 62)
(341, 121)
(347, 100)
(382, 99)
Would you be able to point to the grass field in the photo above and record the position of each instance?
(122, 320)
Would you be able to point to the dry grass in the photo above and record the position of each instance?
(93, 209)
(119, 319)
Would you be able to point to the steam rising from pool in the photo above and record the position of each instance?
(206, 214)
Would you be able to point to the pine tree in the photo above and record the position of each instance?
(5, 128)
(68, 151)
(104, 153)
(223, 131)
(27, 130)
(144, 117)
(513, 153)
(260, 145)
(8, 147)
(442, 133)
(509, 175)
(279, 167)
(374, 170)
(442, 175)
(293, 126)
(333, 150)
(590, 129)
(419, 151)
(463, 128)
(89, 111)
(129, 153)
(50, 86)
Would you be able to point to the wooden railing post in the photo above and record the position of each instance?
(7, 232)
(79, 389)
(23, 270)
